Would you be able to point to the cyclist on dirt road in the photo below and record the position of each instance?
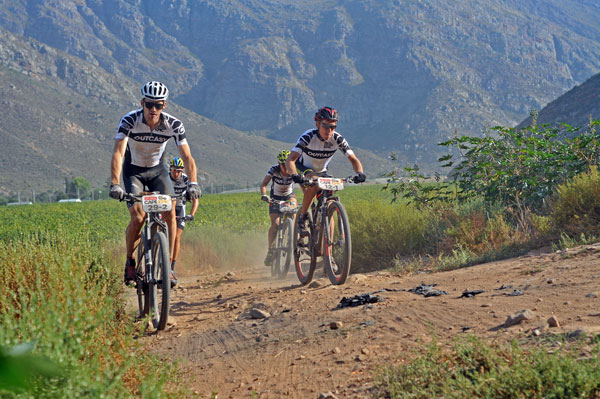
(312, 154)
(180, 185)
(281, 190)
(139, 147)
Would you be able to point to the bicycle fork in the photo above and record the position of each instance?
(148, 251)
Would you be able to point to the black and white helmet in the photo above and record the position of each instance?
(155, 91)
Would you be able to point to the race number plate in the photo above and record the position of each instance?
(156, 203)
(330, 183)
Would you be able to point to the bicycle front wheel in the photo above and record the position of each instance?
(285, 250)
(304, 256)
(337, 243)
(161, 277)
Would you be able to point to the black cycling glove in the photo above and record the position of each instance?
(359, 178)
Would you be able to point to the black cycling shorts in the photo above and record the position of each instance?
(180, 214)
(137, 180)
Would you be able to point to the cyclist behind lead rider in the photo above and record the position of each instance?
(281, 190)
(312, 154)
(180, 185)
(139, 147)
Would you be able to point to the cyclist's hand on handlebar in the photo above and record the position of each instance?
(194, 191)
(298, 178)
(189, 218)
(265, 198)
(359, 178)
(116, 192)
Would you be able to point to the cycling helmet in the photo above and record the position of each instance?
(177, 163)
(328, 113)
(282, 156)
(155, 91)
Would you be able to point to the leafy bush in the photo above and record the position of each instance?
(576, 208)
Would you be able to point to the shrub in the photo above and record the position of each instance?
(575, 210)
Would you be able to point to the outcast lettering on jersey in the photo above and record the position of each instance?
(315, 153)
(145, 147)
(282, 186)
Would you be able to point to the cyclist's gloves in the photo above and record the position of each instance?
(194, 191)
(360, 177)
(298, 179)
(116, 192)
(189, 218)
(265, 198)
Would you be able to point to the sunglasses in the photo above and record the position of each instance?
(328, 127)
(150, 105)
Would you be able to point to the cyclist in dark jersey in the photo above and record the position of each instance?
(180, 185)
(281, 190)
(139, 147)
(312, 154)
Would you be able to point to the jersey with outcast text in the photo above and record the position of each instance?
(282, 185)
(180, 186)
(315, 153)
(145, 147)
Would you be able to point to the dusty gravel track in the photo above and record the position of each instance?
(295, 353)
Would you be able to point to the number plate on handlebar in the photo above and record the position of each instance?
(330, 183)
(156, 203)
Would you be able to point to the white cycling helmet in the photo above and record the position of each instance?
(155, 91)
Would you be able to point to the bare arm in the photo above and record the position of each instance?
(116, 164)
(189, 162)
(356, 165)
(195, 203)
(263, 185)
(290, 162)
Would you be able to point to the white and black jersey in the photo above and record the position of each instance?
(180, 186)
(282, 185)
(145, 147)
(315, 153)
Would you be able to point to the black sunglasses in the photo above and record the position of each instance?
(328, 126)
(150, 105)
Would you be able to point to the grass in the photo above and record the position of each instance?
(472, 368)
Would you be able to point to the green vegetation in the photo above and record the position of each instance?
(62, 295)
(475, 369)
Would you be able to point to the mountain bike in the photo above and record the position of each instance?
(328, 234)
(153, 269)
(283, 245)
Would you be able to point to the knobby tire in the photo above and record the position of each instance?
(305, 259)
(337, 249)
(161, 273)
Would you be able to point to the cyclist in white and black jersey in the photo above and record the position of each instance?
(140, 143)
(180, 185)
(281, 190)
(312, 154)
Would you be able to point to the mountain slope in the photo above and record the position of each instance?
(574, 107)
(404, 74)
(61, 115)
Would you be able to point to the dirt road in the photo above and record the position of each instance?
(305, 348)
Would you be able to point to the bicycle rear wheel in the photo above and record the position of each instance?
(304, 257)
(337, 243)
(161, 270)
(141, 286)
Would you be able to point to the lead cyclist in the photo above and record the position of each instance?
(312, 153)
(139, 147)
